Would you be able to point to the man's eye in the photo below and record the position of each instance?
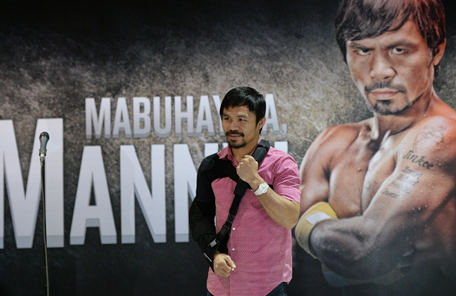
(363, 51)
(398, 50)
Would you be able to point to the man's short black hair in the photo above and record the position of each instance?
(360, 19)
(245, 96)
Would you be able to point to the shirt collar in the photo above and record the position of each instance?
(226, 153)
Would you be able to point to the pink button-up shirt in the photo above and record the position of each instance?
(260, 248)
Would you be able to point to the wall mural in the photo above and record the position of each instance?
(129, 94)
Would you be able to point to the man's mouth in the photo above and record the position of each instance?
(384, 94)
(234, 135)
(384, 90)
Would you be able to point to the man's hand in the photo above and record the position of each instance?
(223, 265)
(248, 172)
(316, 213)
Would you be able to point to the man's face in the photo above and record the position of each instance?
(239, 125)
(392, 70)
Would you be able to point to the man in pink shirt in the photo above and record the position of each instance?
(257, 258)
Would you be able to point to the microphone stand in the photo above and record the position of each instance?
(44, 220)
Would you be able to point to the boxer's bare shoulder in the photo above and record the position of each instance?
(430, 147)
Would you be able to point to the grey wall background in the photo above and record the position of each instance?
(54, 54)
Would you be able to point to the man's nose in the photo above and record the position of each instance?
(381, 67)
(233, 125)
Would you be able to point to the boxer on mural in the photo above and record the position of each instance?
(378, 197)
(257, 259)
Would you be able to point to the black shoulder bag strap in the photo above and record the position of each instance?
(219, 243)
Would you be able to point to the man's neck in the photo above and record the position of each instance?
(398, 123)
(239, 153)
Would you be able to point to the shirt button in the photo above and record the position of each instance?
(234, 228)
(233, 249)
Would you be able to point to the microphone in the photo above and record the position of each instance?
(44, 138)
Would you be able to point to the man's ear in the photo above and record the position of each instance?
(438, 53)
(262, 122)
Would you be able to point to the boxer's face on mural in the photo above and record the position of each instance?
(239, 125)
(394, 69)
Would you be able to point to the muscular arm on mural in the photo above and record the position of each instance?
(282, 210)
(370, 245)
(327, 150)
(314, 185)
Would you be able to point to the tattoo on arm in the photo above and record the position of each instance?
(368, 186)
(418, 159)
(431, 134)
(403, 183)
(407, 179)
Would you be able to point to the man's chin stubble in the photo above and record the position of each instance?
(383, 108)
(236, 146)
